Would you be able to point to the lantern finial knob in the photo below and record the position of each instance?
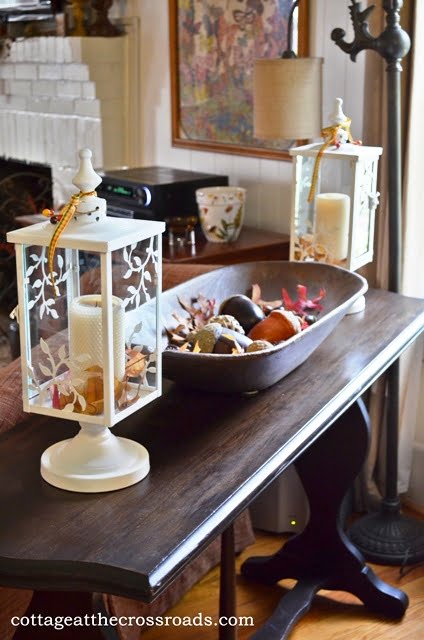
(86, 178)
(337, 116)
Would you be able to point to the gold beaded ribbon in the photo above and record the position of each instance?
(330, 138)
(63, 218)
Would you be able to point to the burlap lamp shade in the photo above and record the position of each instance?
(287, 98)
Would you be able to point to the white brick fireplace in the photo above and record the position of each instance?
(59, 94)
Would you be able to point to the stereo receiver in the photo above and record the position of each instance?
(154, 193)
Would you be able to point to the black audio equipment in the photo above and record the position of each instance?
(154, 193)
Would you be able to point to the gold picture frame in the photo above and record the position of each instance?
(212, 48)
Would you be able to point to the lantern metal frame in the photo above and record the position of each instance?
(94, 460)
(362, 162)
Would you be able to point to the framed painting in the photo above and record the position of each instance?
(213, 46)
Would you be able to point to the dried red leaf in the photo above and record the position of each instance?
(303, 305)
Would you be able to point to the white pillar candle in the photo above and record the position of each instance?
(332, 223)
(85, 331)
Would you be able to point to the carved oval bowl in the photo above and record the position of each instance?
(250, 372)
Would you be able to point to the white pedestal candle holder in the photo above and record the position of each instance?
(90, 292)
(94, 460)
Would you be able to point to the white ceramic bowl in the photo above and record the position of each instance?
(221, 212)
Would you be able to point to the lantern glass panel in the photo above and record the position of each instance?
(65, 338)
(311, 232)
(134, 282)
(368, 198)
(45, 320)
(304, 211)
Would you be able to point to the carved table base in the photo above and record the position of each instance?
(322, 557)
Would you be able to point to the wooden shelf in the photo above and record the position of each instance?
(252, 245)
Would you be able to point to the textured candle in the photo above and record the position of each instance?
(85, 331)
(332, 223)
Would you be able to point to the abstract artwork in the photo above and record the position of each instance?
(214, 44)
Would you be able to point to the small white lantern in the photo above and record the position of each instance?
(90, 334)
(334, 198)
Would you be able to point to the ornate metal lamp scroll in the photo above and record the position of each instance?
(387, 536)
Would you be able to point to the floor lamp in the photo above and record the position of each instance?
(287, 102)
(388, 537)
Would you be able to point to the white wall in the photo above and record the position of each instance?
(268, 181)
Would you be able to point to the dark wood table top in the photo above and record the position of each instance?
(210, 455)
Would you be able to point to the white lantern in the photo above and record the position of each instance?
(90, 335)
(336, 224)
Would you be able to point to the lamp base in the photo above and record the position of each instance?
(389, 537)
(94, 461)
(358, 305)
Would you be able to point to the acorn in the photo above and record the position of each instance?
(231, 341)
(247, 312)
(206, 337)
(259, 345)
(214, 338)
(278, 326)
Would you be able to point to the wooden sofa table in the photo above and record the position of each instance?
(210, 457)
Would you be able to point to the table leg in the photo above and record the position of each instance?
(227, 584)
(322, 557)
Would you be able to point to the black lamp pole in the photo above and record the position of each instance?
(388, 537)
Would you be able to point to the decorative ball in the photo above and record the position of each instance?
(229, 322)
